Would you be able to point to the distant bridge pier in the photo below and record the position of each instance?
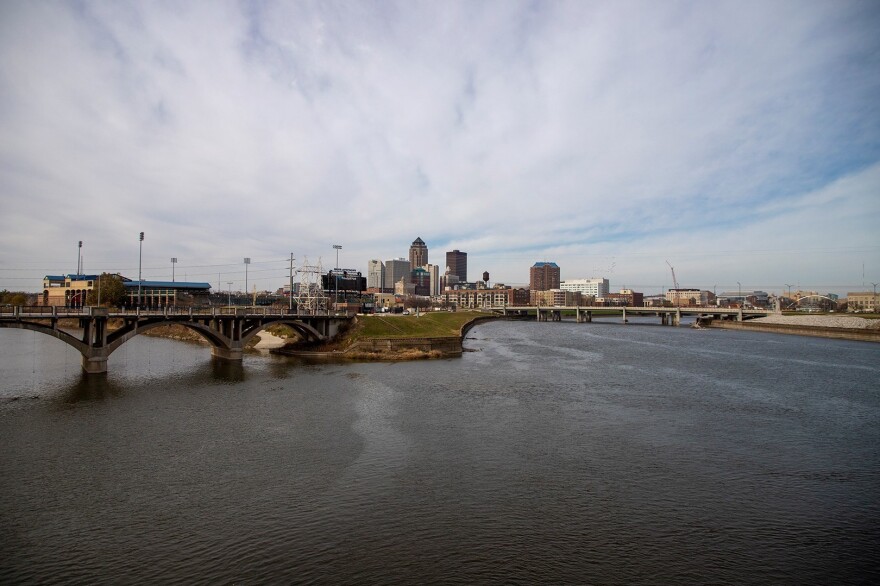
(623, 314)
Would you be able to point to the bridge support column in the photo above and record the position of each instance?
(624, 314)
(233, 354)
(739, 315)
(676, 318)
(95, 364)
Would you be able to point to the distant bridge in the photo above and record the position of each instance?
(668, 315)
(227, 329)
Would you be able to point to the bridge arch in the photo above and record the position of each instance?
(56, 333)
(305, 330)
(118, 337)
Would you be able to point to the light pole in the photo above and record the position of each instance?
(173, 262)
(789, 294)
(140, 265)
(247, 261)
(337, 247)
(740, 295)
(230, 292)
(874, 299)
(79, 259)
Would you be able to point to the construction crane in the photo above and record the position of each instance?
(674, 280)
(675, 283)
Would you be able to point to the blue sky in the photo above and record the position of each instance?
(740, 141)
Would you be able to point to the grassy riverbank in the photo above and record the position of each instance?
(434, 324)
(396, 337)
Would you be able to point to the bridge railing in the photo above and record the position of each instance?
(47, 310)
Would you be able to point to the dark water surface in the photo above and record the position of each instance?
(556, 452)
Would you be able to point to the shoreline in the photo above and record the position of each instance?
(815, 331)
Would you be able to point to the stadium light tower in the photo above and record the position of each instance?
(247, 261)
(140, 266)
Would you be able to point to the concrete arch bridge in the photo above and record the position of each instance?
(227, 329)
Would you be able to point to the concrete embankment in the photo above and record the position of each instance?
(858, 334)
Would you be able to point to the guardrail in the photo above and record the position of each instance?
(37, 311)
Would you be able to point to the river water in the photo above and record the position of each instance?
(553, 452)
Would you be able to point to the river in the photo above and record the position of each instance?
(549, 452)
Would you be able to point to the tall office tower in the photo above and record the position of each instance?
(544, 276)
(395, 270)
(418, 254)
(375, 274)
(456, 262)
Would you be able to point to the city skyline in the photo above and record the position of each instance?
(739, 142)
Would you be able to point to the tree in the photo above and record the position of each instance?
(13, 298)
(112, 291)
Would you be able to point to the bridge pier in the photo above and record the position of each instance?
(231, 354)
(95, 364)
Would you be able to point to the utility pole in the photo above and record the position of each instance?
(79, 259)
(290, 296)
(230, 292)
(173, 262)
(338, 247)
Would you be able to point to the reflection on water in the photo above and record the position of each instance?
(227, 371)
(90, 388)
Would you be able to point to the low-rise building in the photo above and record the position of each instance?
(625, 298)
(594, 287)
(861, 302)
(687, 297)
(67, 290)
(556, 298)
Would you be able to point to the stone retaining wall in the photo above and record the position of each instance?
(448, 346)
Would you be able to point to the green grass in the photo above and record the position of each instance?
(428, 325)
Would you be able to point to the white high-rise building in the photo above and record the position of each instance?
(594, 287)
(375, 274)
(434, 271)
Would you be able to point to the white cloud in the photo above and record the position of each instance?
(577, 132)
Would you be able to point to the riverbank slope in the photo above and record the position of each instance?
(436, 334)
(822, 326)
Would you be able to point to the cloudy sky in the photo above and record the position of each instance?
(739, 141)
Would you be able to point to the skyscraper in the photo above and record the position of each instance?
(456, 261)
(418, 254)
(544, 276)
(376, 274)
(395, 270)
